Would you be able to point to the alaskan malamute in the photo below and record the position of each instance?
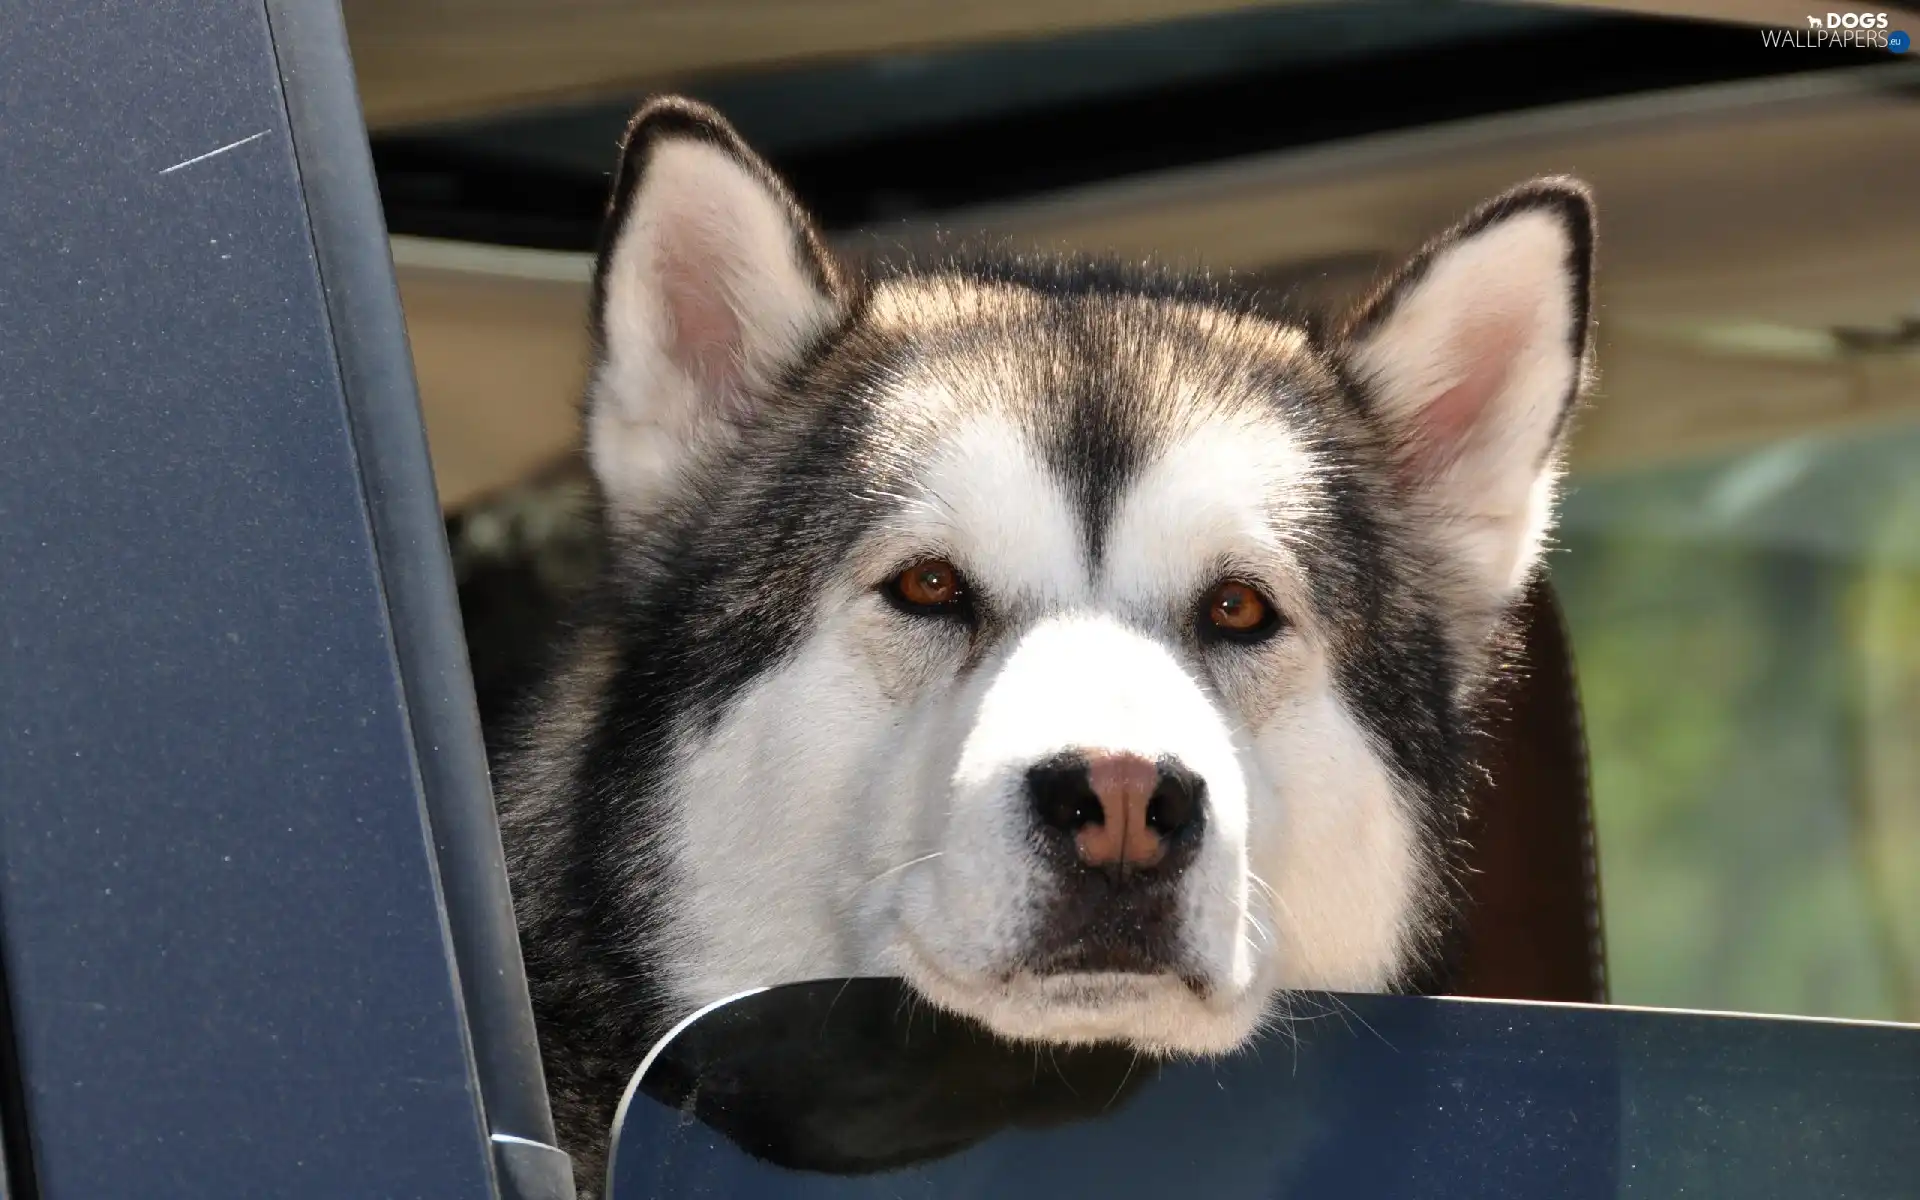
(1091, 652)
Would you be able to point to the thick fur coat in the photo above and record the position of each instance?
(1096, 655)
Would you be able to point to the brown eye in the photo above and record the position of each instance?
(1238, 611)
(932, 585)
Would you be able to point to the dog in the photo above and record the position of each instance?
(1097, 655)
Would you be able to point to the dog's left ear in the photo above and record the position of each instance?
(711, 283)
(1471, 361)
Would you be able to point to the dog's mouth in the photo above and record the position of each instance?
(1068, 998)
(1120, 962)
(1090, 967)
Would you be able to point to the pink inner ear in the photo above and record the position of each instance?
(1448, 423)
(703, 330)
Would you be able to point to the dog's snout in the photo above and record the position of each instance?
(1124, 812)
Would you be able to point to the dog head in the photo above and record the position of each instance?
(1091, 652)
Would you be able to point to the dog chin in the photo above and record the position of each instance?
(1162, 1014)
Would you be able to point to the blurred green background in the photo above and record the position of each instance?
(1748, 637)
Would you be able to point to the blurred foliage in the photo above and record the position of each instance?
(1886, 627)
(1748, 637)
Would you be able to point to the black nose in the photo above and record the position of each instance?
(1120, 811)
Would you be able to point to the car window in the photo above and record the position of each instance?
(1748, 631)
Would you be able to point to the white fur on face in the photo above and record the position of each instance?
(1332, 847)
(706, 300)
(850, 816)
(1075, 681)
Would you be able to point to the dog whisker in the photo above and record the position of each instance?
(1254, 878)
(895, 870)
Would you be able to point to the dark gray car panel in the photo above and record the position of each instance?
(226, 951)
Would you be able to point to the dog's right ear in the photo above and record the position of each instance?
(710, 284)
